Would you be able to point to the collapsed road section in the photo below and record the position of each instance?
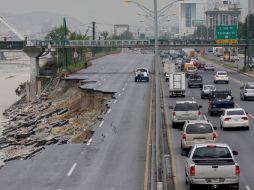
(65, 114)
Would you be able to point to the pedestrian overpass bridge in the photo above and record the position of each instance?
(144, 44)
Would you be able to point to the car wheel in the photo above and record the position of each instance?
(173, 125)
(244, 98)
(227, 82)
(247, 128)
(191, 186)
(236, 187)
(211, 113)
(214, 82)
(135, 79)
(241, 97)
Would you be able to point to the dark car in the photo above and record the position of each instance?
(195, 81)
(219, 101)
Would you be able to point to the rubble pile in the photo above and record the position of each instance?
(60, 117)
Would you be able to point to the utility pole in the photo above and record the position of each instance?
(65, 38)
(93, 50)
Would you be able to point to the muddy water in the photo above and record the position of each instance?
(11, 75)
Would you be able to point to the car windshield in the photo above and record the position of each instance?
(235, 112)
(212, 152)
(141, 70)
(221, 73)
(199, 128)
(209, 87)
(249, 86)
(186, 107)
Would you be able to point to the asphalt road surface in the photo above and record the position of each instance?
(242, 141)
(114, 158)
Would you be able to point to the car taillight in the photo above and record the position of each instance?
(245, 118)
(174, 113)
(184, 136)
(192, 171)
(227, 119)
(214, 136)
(237, 170)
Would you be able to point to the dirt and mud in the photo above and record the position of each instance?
(61, 115)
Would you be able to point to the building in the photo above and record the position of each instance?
(191, 14)
(224, 12)
(251, 6)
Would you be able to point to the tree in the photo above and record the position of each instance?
(104, 34)
(77, 36)
(57, 33)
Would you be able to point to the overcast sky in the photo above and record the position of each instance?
(102, 11)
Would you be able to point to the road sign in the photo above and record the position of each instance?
(226, 34)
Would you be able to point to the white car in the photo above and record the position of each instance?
(235, 117)
(221, 76)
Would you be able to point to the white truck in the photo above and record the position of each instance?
(168, 68)
(213, 165)
(177, 84)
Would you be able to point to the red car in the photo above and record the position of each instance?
(200, 64)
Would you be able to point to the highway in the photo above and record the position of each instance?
(239, 140)
(114, 158)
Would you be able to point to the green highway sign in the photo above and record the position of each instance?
(226, 34)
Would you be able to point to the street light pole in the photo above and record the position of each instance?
(157, 93)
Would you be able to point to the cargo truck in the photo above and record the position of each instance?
(177, 84)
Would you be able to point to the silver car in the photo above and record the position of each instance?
(247, 91)
(185, 110)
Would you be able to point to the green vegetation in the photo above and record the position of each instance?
(77, 58)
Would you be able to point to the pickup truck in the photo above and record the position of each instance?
(212, 164)
(195, 80)
(219, 101)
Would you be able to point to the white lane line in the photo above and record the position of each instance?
(237, 105)
(101, 124)
(251, 116)
(115, 101)
(119, 95)
(205, 117)
(89, 142)
(109, 110)
(247, 187)
(72, 169)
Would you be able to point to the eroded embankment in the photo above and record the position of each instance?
(65, 115)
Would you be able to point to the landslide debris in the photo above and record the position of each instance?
(62, 115)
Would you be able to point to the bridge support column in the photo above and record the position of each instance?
(34, 53)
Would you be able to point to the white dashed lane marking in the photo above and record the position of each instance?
(109, 110)
(115, 101)
(101, 124)
(247, 187)
(72, 169)
(89, 142)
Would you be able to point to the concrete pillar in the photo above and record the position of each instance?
(2, 56)
(34, 53)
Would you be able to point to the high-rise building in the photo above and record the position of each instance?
(251, 6)
(191, 14)
(224, 12)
